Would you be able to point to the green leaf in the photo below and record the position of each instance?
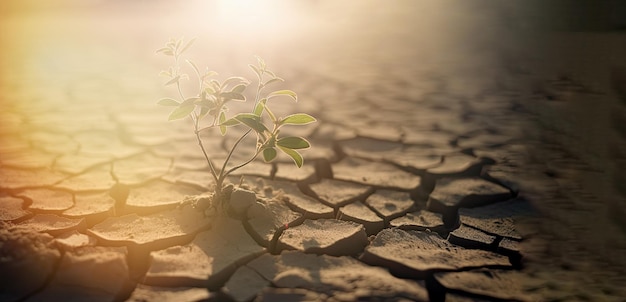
(271, 81)
(209, 104)
(208, 74)
(233, 96)
(234, 80)
(269, 154)
(190, 101)
(270, 113)
(222, 120)
(252, 121)
(293, 142)
(230, 122)
(203, 112)
(261, 62)
(181, 112)
(256, 70)
(289, 93)
(239, 88)
(166, 51)
(168, 102)
(215, 84)
(178, 43)
(258, 109)
(209, 90)
(195, 68)
(173, 80)
(187, 45)
(163, 49)
(298, 119)
(297, 158)
(270, 73)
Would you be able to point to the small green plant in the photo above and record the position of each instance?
(209, 105)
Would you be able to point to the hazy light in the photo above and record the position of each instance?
(253, 17)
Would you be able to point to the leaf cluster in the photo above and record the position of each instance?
(213, 96)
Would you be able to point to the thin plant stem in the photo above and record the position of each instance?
(206, 156)
(232, 150)
(206, 128)
(233, 169)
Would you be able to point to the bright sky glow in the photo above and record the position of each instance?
(255, 17)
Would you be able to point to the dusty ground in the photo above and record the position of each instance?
(407, 95)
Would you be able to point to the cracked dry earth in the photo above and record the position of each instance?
(423, 183)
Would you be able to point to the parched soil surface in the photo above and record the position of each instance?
(458, 156)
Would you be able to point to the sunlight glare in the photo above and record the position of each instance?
(253, 16)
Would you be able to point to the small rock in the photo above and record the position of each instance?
(256, 210)
(325, 236)
(337, 193)
(414, 254)
(241, 200)
(471, 238)
(360, 213)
